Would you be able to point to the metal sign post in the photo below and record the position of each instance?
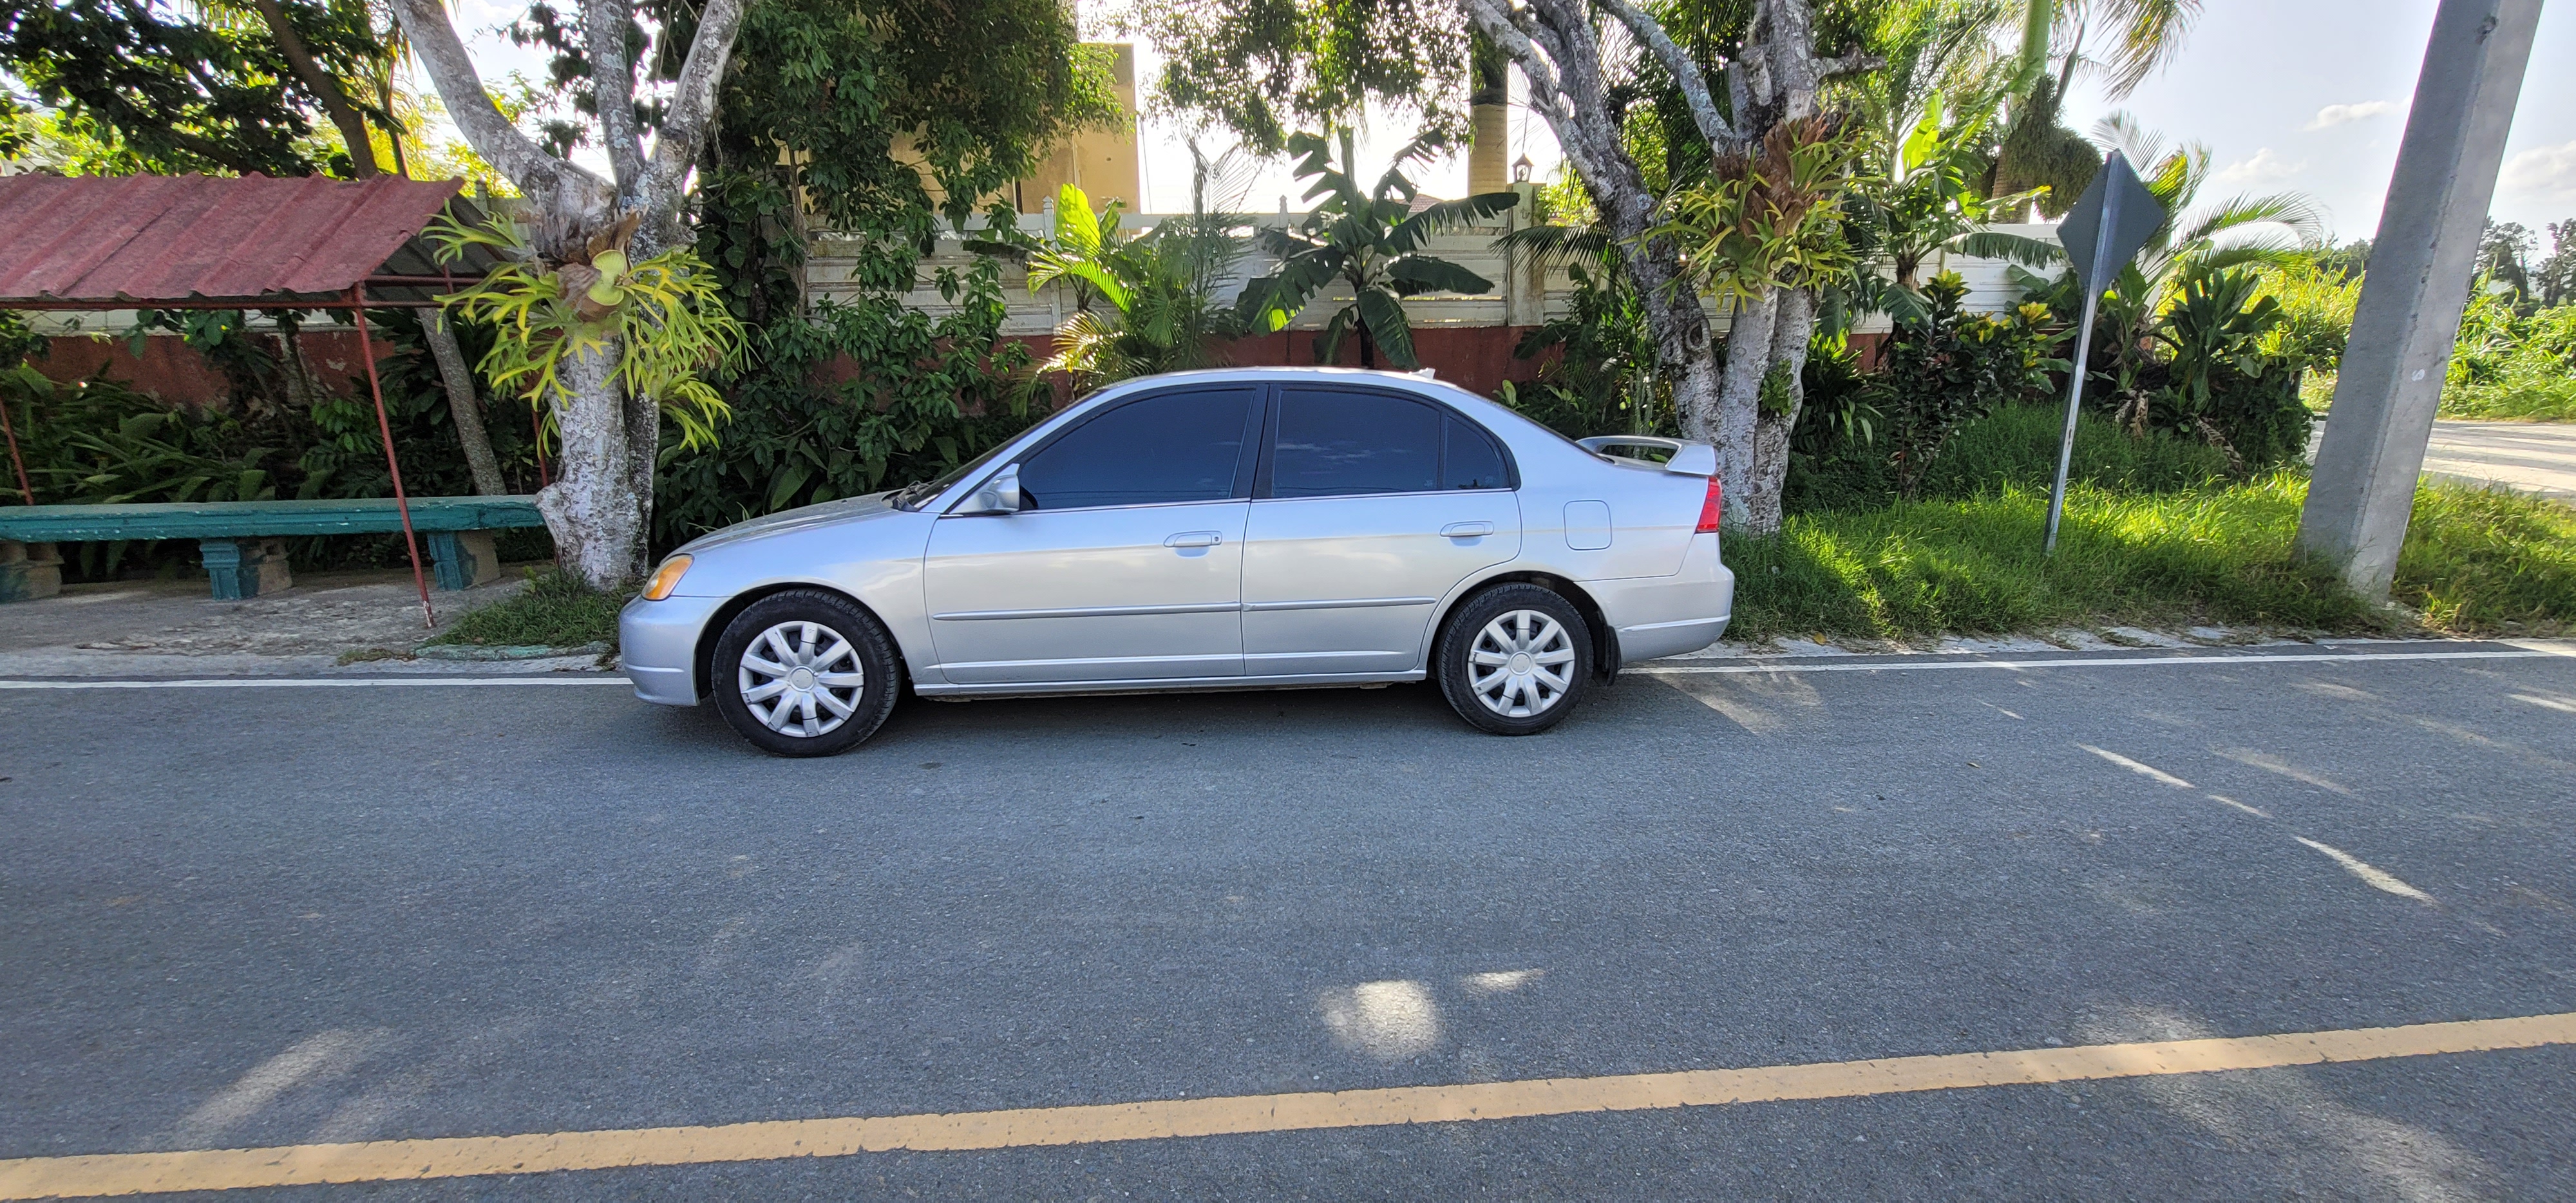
(2115, 216)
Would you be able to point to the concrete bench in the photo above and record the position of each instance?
(242, 541)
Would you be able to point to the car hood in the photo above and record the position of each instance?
(848, 509)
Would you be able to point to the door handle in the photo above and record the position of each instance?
(1466, 530)
(1195, 538)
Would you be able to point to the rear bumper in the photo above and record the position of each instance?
(657, 644)
(1670, 615)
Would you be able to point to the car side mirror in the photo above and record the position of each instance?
(999, 495)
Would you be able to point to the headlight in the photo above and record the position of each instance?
(666, 578)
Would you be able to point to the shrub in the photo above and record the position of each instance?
(2508, 366)
(2013, 447)
(1952, 367)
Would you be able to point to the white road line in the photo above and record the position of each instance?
(2104, 662)
(2143, 770)
(2376, 877)
(2256, 811)
(1672, 670)
(312, 682)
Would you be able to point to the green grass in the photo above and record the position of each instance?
(2538, 400)
(2480, 562)
(555, 610)
(2216, 554)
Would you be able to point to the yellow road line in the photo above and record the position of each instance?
(451, 1157)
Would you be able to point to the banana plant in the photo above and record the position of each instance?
(1369, 241)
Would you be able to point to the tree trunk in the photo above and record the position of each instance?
(1748, 358)
(1793, 324)
(592, 508)
(462, 407)
(1674, 319)
(326, 90)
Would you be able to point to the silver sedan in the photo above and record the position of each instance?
(1232, 529)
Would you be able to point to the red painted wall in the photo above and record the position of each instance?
(170, 370)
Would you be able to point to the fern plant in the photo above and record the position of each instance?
(665, 316)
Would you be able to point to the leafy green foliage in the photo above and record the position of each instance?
(2317, 303)
(179, 88)
(1143, 303)
(99, 441)
(663, 318)
(1930, 199)
(872, 121)
(1597, 369)
(2216, 324)
(2015, 447)
(2510, 365)
(1261, 68)
(1370, 240)
(1768, 219)
(859, 396)
(1953, 366)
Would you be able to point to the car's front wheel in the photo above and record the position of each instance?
(1514, 659)
(805, 673)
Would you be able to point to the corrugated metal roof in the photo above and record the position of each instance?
(175, 238)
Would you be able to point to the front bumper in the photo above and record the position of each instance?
(657, 644)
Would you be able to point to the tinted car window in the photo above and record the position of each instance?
(1337, 442)
(1473, 459)
(1165, 448)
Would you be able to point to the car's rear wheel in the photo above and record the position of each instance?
(805, 673)
(1514, 659)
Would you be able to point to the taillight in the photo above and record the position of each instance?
(1712, 509)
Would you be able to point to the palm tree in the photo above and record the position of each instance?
(2038, 150)
(2191, 244)
(1143, 302)
(1368, 240)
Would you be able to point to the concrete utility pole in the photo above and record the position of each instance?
(2364, 487)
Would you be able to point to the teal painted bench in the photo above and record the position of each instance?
(241, 540)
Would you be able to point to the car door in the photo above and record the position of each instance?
(1126, 560)
(1371, 506)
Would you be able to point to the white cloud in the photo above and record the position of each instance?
(2545, 172)
(2337, 114)
(2266, 167)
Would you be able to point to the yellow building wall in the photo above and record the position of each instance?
(1103, 162)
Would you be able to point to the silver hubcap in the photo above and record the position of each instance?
(1520, 663)
(801, 679)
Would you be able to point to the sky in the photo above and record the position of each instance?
(2289, 95)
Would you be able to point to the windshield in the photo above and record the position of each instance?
(914, 496)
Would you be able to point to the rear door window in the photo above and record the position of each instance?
(1471, 459)
(1163, 449)
(1345, 442)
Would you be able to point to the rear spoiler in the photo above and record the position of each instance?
(1687, 458)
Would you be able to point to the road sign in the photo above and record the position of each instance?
(2115, 216)
(2117, 201)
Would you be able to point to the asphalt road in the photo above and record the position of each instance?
(235, 917)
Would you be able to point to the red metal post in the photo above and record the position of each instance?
(385, 427)
(21, 465)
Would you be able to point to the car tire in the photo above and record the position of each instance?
(1514, 659)
(782, 678)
